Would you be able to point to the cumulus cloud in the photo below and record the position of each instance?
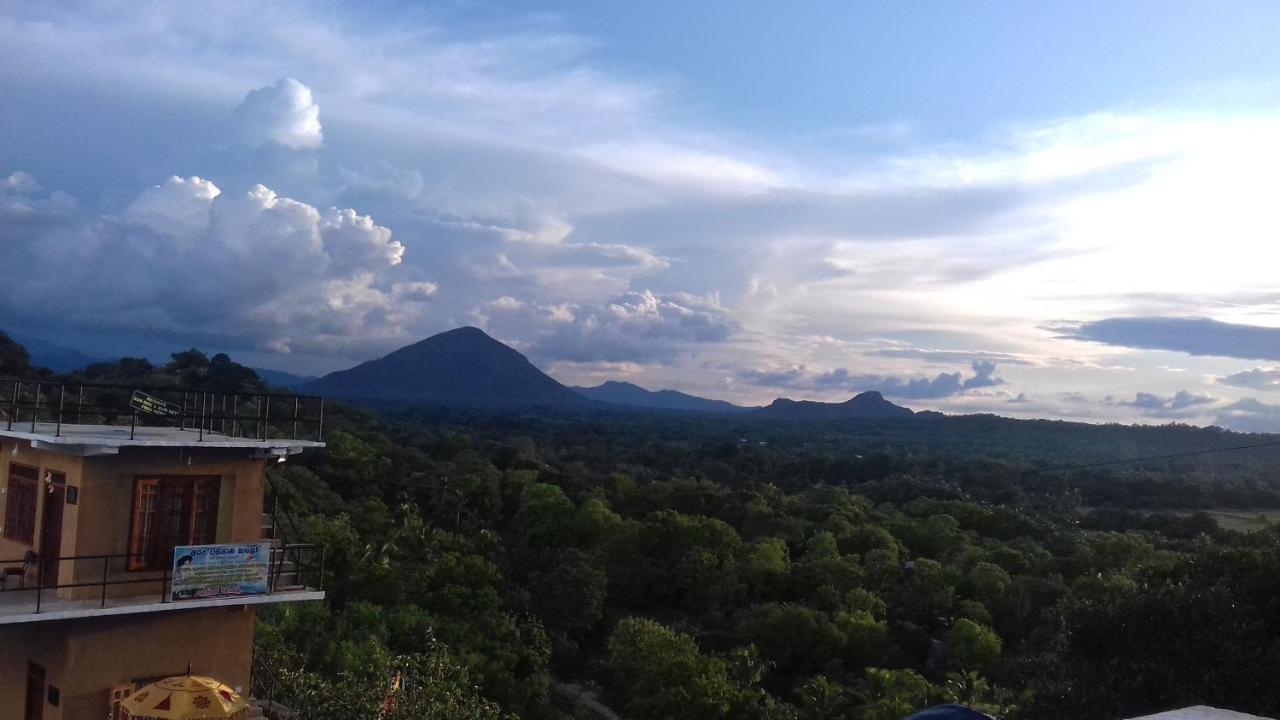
(414, 291)
(506, 302)
(1249, 415)
(186, 258)
(283, 113)
(1191, 335)
(19, 183)
(1180, 404)
(22, 203)
(943, 385)
(1255, 379)
(641, 326)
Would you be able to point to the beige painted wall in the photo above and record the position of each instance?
(85, 658)
(99, 523)
(106, 503)
(11, 550)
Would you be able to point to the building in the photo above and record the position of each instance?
(133, 539)
(1201, 712)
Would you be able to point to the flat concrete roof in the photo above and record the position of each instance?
(15, 611)
(108, 439)
(1201, 712)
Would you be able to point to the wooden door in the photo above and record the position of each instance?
(55, 500)
(35, 693)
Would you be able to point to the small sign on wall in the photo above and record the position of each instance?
(73, 495)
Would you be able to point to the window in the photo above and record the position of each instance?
(20, 510)
(168, 512)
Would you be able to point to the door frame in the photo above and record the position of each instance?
(35, 674)
(51, 518)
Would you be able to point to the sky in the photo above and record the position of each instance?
(1034, 209)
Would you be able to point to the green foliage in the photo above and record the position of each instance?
(657, 673)
(970, 646)
(696, 567)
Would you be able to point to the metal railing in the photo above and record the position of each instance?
(303, 563)
(260, 415)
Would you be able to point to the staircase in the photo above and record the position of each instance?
(285, 574)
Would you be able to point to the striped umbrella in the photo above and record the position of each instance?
(186, 697)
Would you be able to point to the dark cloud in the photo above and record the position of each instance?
(944, 385)
(1180, 404)
(1194, 336)
(1249, 415)
(1255, 379)
(948, 356)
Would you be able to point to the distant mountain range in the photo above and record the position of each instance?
(58, 358)
(280, 378)
(871, 405)
(467, 367)
(624, 393)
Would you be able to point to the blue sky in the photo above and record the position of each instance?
(1035, 209)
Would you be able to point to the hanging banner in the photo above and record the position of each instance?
(201, 572)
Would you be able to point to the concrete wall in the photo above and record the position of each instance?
(106, 505)
(20, 644)
(85, 658)
(11, 550)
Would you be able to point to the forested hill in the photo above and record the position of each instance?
(623, 393)
(686, 567)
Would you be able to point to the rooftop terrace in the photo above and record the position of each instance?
(91, 418)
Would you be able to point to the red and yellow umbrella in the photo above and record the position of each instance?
(186, 697)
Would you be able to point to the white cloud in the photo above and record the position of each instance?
(414, 291)
(186, 258)
(506, 302)
(19, 183)
(283, 113)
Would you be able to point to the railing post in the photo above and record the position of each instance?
(182, 421)
(133, 424)
(62, 394)
(106, 559)
(320, 429)
(13, 407)
(164, 580)
(320, 582)
(203, 402)
(39, 582)
(235, 412)
(257, 416)
(266, 418)
(35, 408)
(293, 434)
(79, 403)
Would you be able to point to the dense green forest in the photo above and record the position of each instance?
(677, 566)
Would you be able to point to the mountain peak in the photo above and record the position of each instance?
(464, 366)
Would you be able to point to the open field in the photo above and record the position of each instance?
(1246, 520)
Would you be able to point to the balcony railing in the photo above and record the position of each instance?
(291, 568)
(32, 404)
